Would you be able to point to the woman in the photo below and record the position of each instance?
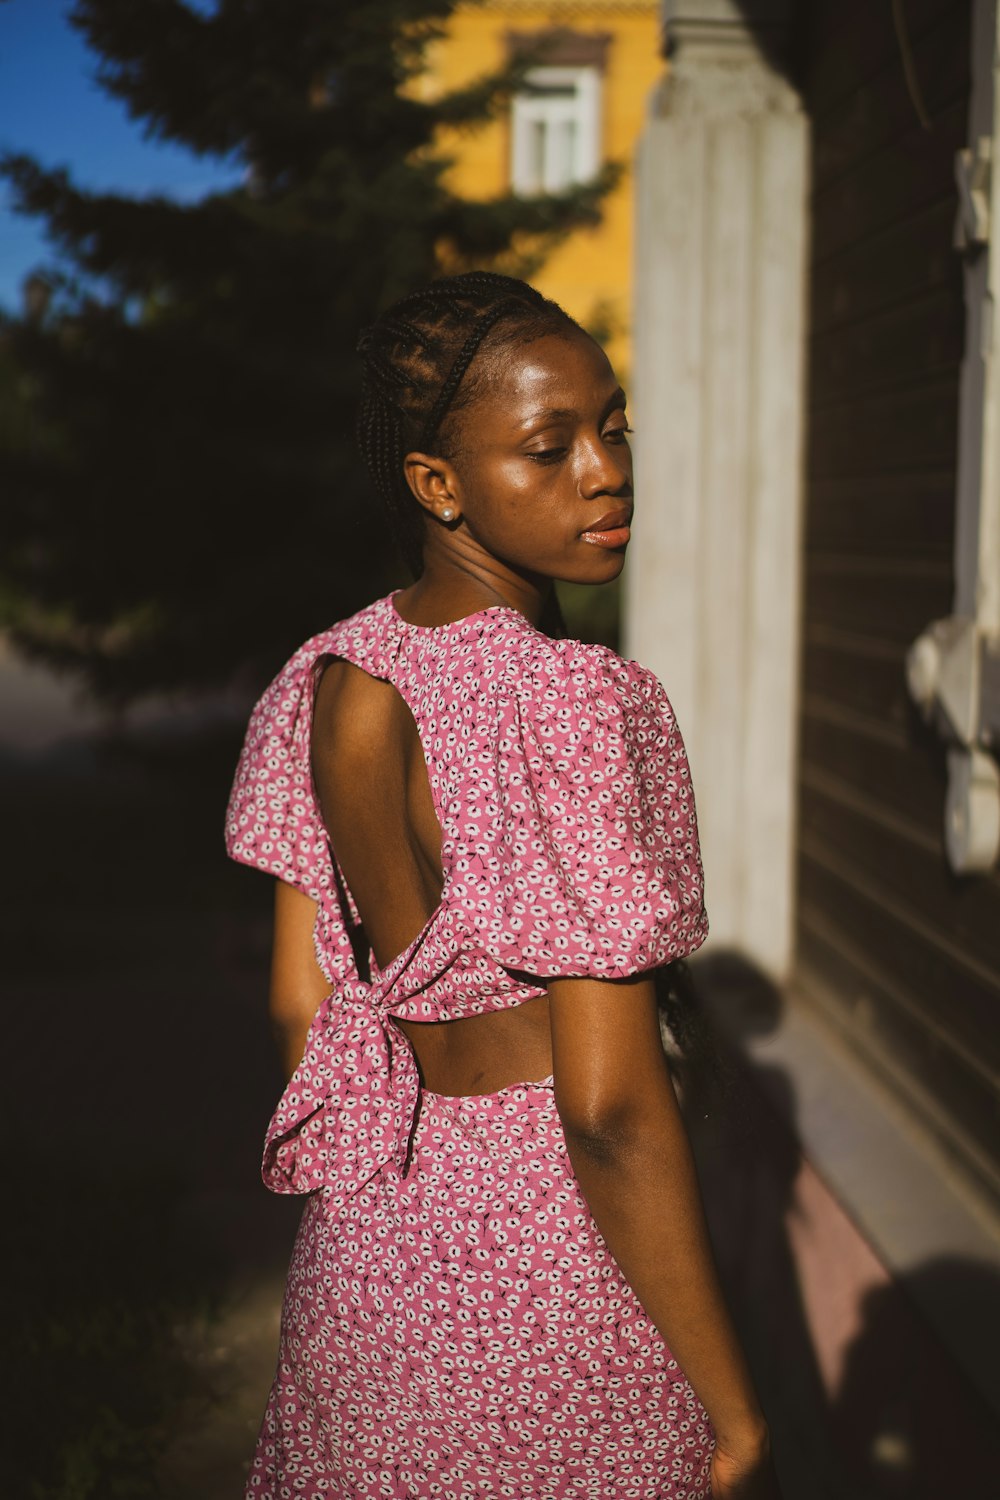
(485, 845)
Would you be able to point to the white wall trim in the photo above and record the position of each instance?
(954, 665)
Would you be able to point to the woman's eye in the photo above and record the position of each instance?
(547, 455)
(617, 434)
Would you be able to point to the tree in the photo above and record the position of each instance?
(183, 496)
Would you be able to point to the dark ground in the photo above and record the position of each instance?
(144, 1268)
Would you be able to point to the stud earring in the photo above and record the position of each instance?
(447, 513)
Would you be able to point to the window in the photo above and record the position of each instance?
(555, 130)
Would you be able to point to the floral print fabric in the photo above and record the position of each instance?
(465, 1332)
(569, 848)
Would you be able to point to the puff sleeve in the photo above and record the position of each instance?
(595, 867)
(273, 822)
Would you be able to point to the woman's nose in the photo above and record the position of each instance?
(608, 471)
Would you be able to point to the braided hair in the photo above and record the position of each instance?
(416, 376)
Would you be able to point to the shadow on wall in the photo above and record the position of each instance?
(863, 1400)
(748, 1164)
(907, 1421)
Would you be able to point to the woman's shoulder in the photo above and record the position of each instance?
(493, 649)
(360, 637)
(552, 672)
(591, 859)
(363, 629)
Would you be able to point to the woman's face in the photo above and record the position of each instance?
(542, 478)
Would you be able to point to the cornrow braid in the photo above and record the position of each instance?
(416, 373)
(453, 380)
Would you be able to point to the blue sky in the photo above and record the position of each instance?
(52, 108)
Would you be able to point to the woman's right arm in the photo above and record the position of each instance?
(298, 984)
(630, 1152)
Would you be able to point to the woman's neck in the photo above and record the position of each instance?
(448, 590)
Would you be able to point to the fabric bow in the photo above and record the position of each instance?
(350, 1106)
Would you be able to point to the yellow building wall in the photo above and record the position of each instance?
(590, 274)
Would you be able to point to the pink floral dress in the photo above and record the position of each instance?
(454, 1324)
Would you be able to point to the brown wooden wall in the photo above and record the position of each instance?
(908, 954)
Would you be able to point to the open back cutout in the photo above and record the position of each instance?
(384, 828)
(375, 795)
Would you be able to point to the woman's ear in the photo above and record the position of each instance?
(433, 483)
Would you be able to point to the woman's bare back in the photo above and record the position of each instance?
(371, 777)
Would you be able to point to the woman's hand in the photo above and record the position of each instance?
(746, 1475)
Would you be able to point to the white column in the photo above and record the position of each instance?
(712, 583)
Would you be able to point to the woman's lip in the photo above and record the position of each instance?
(616, 536)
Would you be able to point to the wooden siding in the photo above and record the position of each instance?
(907, 955)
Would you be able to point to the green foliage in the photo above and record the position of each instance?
(184, 502)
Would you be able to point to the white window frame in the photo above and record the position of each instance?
(531, 112)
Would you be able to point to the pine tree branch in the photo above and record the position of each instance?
(253, 79)
(472, 231)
